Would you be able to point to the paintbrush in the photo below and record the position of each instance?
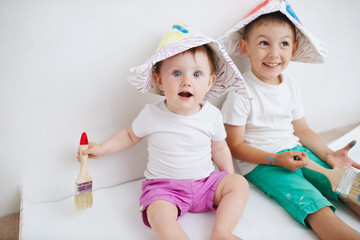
(344, 181)
(83, 184)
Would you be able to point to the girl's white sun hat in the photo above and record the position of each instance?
(310, 50)
(179, 39)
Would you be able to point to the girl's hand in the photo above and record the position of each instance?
(291, 160)
(340, 158)
(93, 151)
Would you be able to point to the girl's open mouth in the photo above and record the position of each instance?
(185, 94)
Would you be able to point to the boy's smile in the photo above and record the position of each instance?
(270, 47)
(185, 79)
(272, 65)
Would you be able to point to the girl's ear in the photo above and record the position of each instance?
(158, 80)
(243, 47)
(211, 81)
(296, 46)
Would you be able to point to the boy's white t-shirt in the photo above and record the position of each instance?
(267, 117)
(179, 147)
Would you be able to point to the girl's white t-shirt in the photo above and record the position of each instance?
(179, 147)
(267, 117)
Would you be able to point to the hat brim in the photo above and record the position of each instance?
(310, 50)
(227, 75)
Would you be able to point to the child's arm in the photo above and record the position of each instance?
(123, 139)
(222, 157)
(241, 150)
(312, 141)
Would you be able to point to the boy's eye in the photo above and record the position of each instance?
(264, 43)
(284, 44)
(197, 74)
(176, 73)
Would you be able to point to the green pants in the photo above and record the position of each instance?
(301, 192)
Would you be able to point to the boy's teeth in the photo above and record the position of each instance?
(271, 64)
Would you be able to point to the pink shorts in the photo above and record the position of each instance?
(187, 195)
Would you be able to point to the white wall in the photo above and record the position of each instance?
(63, 66)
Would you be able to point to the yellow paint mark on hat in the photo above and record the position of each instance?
(178, 32)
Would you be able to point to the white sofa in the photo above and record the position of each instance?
(115, 215)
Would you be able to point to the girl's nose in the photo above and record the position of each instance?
(186, 82)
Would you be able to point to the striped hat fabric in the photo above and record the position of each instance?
(179, 39)
(310, 50)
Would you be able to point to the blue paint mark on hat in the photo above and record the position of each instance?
(180, 28)
(291, 12)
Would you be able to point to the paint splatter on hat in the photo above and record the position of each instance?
(310, 50)
(179, 39)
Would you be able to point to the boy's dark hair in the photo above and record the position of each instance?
(203, 48)
(276, 17)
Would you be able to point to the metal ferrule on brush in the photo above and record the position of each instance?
(346, 182)
(83, 188)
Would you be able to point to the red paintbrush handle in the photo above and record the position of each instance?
(84, 139)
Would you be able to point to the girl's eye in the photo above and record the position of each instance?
(284, 44)
(176, 73)
(264, 43)
(197, 74)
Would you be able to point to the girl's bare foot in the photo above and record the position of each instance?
(217, 235)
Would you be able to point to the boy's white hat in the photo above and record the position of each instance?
(310, 50)
(179, 39)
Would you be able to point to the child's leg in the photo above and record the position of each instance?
(162, 216)
(230, 197)
(319, 180)
(300, 198)
(353, 206)
(327, 225)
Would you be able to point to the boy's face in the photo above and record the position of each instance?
(270, 46)
(185, 79)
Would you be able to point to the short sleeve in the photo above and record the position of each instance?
(219, 129)
(235, 109)
(140, 124)
(298, 111)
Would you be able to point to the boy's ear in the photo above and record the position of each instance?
(157, 80)
(296, 46)
(243, 47)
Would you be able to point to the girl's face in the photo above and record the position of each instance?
(270, 47)
(185, 79)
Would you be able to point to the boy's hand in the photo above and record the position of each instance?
(340, 158)
(292, 160)
(93, 151)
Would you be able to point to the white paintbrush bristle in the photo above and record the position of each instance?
(83, 201)
(354, 194)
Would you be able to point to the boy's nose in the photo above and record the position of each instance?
(274, 52)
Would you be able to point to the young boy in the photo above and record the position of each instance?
(184, 134)
(269, 135)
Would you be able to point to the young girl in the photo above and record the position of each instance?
(184, 134)
(269, 135)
